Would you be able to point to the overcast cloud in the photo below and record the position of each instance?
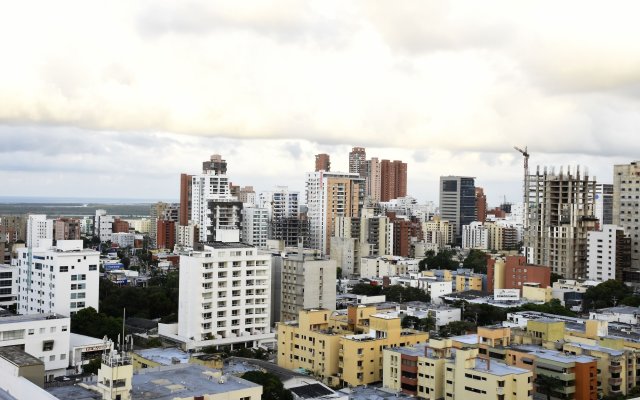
(117, 98)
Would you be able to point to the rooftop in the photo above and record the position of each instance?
(30, 318)
(164, 356)
(167, 383)
(620, 310)
(18, 357)
(552, 355)
(497, 368)
(311, 391)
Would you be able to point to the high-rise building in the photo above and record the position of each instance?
(280, 202)
(331, 195)
(62, 279)
(393, 179)
(626, 205)
(357, 161)
(213, 209)
(457, 202)
(13, 227)
(373, 177)
(438, 232)
(255, 226)
(231, 303)
(39, 231)
(323, 162)
(604, 203)
(561, 207)
(609, 255)
(185, 199)
(66, 229)
(165, 234)
(481, 205)
(103, 225)
(307, 282)
(120, 226)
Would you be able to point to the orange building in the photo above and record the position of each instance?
(166, 234)
(393, 179)
(120, 226)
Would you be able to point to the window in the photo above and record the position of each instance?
(93, 267)
(64, 269)
(47, 345)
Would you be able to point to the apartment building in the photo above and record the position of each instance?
(342, 348)
(377, 267)
(225, 294)
(39, 231)
(66, 229)
(8, 285)
(437, 370)
(331, 195)
(44, 336)
(439, 232)
(255, 226)
(62, 279)
(626, 205)
(513, 272)
(307, 281)
(609, 254)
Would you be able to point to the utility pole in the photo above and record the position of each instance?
(525, 195)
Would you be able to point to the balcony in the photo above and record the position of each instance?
(615, 368)
(615, 381)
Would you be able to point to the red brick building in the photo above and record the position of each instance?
(166, 234)
(515, 273)
(120, 226)
(393, 179)
(481, 205)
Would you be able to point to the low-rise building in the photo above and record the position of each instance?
(44, 336)
(342, 349)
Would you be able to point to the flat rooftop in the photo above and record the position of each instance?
(19, 357)
(166, 383)
(30, 318)
(497, 368)
(164, 356)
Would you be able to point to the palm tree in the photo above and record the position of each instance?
(548, 385)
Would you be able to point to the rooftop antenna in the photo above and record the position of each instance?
(525, 193)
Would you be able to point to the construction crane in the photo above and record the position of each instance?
(525, 197)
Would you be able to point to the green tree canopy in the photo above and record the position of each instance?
(272, 388)
(477, 261)
(607, 294)
(91, 323)
(443, 260)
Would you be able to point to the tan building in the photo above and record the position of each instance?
(438, 232)
(466, 282)
(342, 349)
(440, 371)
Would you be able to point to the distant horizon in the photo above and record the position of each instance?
(80, 200)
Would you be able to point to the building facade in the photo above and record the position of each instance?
(457, 202)
(626, 203)
(62, 279)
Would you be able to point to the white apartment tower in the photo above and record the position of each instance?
(103, 225)
(39, 231)
(280, 202)
(607, 254)
(62, 279)
(213, 208)
(307, 282)
(475, 236)
(255, 226)
(626, 205)
(225, 293)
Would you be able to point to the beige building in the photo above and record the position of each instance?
(466, 282)
(342, 348)
(626, 185)
(440, 371)
(308, 281)
(438, 231)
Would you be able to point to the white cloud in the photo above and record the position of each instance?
(451, 85)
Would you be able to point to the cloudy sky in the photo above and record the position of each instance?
(115, 99)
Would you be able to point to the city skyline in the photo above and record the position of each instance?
(149, 89)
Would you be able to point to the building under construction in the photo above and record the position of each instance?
(560, 214)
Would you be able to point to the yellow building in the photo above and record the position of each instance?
(546, 329)
(342, 349)
(534, 293)
(437, 371)
(466, 282)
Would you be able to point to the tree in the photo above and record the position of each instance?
(272, 388)
(339, 273)
(548, 385)
(93, 366)
(366, 289)
(91, 323)
(443, 260)
(552, 307)
(477, 261)
(606, 294)
(457, 328)
(555, 277)
(403, 294)
(410, 322)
